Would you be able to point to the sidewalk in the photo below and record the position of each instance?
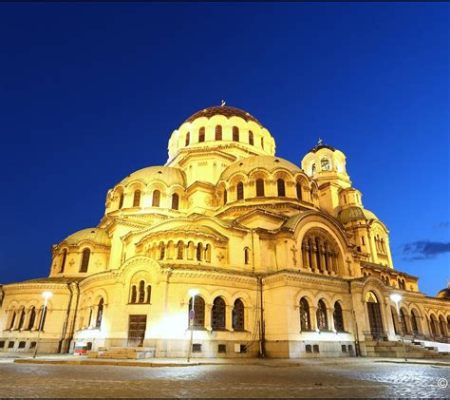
(182, 362)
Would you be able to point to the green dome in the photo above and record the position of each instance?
(351, 214)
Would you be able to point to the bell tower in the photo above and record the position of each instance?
(327, 166)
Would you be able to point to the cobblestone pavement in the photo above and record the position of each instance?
(310, 379)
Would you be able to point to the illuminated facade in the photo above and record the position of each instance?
(285, 258)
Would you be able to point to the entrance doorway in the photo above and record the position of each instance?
(374, 312)
(136, 330)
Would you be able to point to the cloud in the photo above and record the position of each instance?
(445, 224)
(423, 249)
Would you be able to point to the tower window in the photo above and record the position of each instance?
(235, 134)
(240, 191)
(281, 188)
(86, 254)
(188, 139)
(201, 134)
(156, 198)
(137, 198)
(225, 197)
(262, 143)
(175, 201)
(63, 260)
(298, 188)
(250, 138)
(246, 255)
(218, 132)
(260, 187)
(325, 164)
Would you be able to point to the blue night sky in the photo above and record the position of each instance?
(91, 92)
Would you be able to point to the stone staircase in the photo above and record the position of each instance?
(129, 353)
(396, 349)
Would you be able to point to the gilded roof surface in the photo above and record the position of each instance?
(169, 175)
(226, 111)
(96, 235)
(269, 163)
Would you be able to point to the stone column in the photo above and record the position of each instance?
(229, 318)
(208, 308)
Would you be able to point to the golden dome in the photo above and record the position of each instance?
(268, 163)
(95, 235)
(226, 111)
(169, 175)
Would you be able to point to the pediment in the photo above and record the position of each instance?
(261, 219)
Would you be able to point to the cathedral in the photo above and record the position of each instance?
(228, 251)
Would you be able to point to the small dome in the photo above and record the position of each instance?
(96, 235)
(369, 214)
(226, 111)
(249, 164)
(351, 214)
(169, 175)
(444, 293)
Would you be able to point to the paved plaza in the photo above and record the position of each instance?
(271, 378)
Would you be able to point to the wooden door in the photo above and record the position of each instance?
(375, 321)
(136, 330)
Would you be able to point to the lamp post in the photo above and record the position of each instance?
(46, 295)
(396, 298)
(192, 294)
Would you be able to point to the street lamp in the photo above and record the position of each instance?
(396, 298)
(46, 296)
(192, 294)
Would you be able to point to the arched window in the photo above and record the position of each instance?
(175, 201)
(218, 132)
(32, 319)
(199, 252)
(313, 169)
(199, 312)
(218, 314)
(338, 317)
(298, 188)
(188, 139)
(121, 197)
(238, 315)
(156, 198)
(262, 143)
(180, 250)
(98, 321)
(136, 198)
(21, 318)
(201, 134)
(162, 251)
(305, 320)
(260, 187)
(149, 294)
(415, 322)
(281, 188)
(321, 316)
(240, 191)
(325, 164)
(235, 134)
(246, 255)
(141, 298)
(85, 256)
(250, 138)
(133, 294)
(225, 197)
(63, 260)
